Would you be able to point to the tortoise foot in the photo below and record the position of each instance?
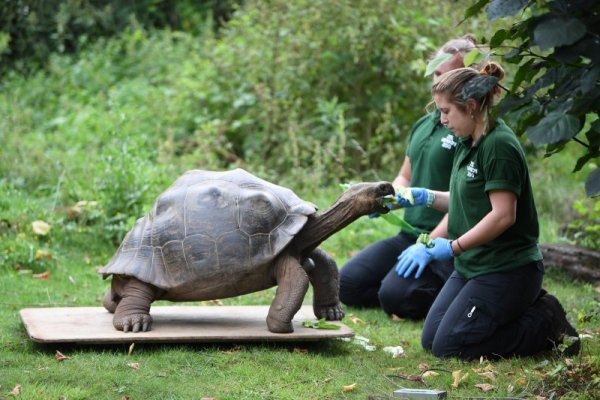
(132, 322)
(277, 326)
(330, 313)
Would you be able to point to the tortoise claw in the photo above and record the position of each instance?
(133, 323)
(330, 313)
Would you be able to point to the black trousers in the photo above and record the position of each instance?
(369, 280)
(489, 315)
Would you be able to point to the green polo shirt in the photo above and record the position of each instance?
(495, 162)
(431, 150)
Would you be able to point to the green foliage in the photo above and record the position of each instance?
(329, 89)
(555, 91)
(584, 229)
(31, 31)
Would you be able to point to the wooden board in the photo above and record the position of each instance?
(171, 324)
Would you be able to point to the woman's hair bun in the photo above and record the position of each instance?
(493, 69)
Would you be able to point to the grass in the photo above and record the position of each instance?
(113, 128)
(300, 370)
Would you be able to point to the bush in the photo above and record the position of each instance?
(326, 90)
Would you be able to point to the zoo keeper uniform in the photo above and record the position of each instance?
(485, 307)
(368, 279)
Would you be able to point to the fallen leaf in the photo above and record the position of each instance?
(488, 374)
(43, 254)
(423, 367)
(215, 302)
(568, 362)
(597, 289)
(486, 387)
(208, 398)
(60, 356)
(124, 397)
(134, 365)
(300, 351)
(40, 228)
(458, 377)
(356, 320)
(396, 318)
(43, 275)
(327, 380)
(16, 391)
(349, 388)
(131, 349)
(510, 388)
(429, 374)
(521, 381)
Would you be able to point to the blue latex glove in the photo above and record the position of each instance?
(441, 250)
(419, 196)
(413, 258)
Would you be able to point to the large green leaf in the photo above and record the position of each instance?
(475, 8)
(558, 31)
(474, 57)
(436, 62)
(499, 37)
(589, 79)
(553, 128)
(592, 185)
(504, 8)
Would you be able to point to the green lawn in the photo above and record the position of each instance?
(301, 370)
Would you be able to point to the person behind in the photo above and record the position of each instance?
(368, 278)
(493, 304)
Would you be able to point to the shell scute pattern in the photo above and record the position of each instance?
(208, 226)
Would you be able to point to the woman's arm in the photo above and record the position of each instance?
(403, 178)
(499, 219)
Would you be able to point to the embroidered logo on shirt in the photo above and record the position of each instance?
(448, 142)
(471, 170)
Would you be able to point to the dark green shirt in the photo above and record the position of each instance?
(431, 150)
(495, 162)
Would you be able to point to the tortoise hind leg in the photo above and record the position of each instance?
(292, 284)
(324, 278)
(110, 301)
(133, 310)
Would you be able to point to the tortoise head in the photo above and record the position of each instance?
(367, 197)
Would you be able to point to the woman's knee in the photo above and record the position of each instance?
(400, 302)
(445, 347)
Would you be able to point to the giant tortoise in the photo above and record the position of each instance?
(214, 235)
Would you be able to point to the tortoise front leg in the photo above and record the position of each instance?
(133, 310)
(292, 284)
(326, 286)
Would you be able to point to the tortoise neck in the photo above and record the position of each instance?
(319, 227)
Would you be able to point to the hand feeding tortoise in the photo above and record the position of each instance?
(214, 235)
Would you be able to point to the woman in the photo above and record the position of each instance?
(492, 305)
(368, 279)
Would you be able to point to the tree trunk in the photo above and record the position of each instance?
(579, 262)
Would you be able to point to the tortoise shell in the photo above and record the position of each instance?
(208, 227)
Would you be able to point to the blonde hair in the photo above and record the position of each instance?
(453, 84)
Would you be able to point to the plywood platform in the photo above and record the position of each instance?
(172, 324)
